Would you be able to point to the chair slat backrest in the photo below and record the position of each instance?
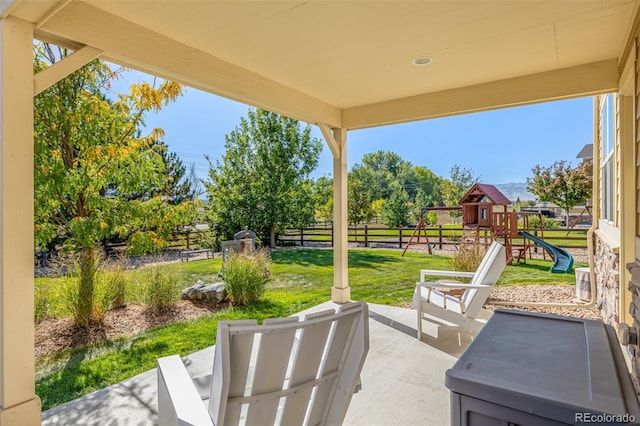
(288, 371)
(488, 273)
(229, 381)
(355, 338)
(269, 374)
(305, 368)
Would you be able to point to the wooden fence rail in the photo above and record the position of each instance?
(439, 236)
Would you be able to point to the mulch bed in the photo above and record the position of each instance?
(53, 335)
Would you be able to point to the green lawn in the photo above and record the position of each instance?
(300, 279)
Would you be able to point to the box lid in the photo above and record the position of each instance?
(546, 365)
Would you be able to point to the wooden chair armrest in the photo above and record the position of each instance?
(450, 285)
(178, 399)
(435, 273)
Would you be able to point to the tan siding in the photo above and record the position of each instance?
(637, 138)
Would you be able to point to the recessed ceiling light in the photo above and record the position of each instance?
(422, 60)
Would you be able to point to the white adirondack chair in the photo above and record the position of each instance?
(285, 371)
(467, 311)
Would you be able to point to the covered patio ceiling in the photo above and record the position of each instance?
(348, 64)
(340, 64)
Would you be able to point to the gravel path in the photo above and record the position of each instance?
(542, 293)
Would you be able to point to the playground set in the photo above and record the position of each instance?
(486, 215)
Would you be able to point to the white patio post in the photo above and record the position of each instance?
(337, 141)
(19, 404)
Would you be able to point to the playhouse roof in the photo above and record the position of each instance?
(480, 191)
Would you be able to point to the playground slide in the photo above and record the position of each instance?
(562, 259)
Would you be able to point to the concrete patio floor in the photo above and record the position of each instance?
(402, 380)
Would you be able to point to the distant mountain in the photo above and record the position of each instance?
(515, 190)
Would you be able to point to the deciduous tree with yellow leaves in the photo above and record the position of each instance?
(88, 151)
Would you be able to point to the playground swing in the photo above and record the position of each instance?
(419, 231)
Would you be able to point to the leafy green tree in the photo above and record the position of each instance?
(372, 182)
(432, 218)
(179, 187)
(175, 188)
(422, 201)
(263, 181)
(85, 144)
(384, 161)
(381, 169)
(376, 209)
(395, 212)
(454, 188)
(323, 198)
(430, 185)
(359, 202)
(561, 184)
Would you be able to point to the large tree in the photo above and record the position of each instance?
(382, 169)
(379, 170)
(429, 184)
(262, 182)
(454, 188)
(86, 144)
(175, 188)
(359, 202)
(395, 212)
(561, 184)
(323, 196)
(179, 187)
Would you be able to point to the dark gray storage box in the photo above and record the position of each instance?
(534, 369)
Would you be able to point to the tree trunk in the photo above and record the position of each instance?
(272, 237)
(86, 278)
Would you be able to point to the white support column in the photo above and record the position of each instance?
(337, 141)
(19, 404)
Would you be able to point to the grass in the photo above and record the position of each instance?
(300, 279)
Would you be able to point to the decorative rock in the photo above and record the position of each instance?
(607, 282)
(215, 292)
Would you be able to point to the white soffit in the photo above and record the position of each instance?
(318, 58)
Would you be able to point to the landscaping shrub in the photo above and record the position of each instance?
(246, 276)
(432, 218)
(547, 222)
(208, 239)
(115, 284)
(468, 257)
(42, 304)
(84, 294)
(161, 287)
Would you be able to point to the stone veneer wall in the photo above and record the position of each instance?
(634, 310)
(607, 282)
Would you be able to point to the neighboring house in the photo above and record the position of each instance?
(586, 153)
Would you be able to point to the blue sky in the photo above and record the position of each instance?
(499, 146)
